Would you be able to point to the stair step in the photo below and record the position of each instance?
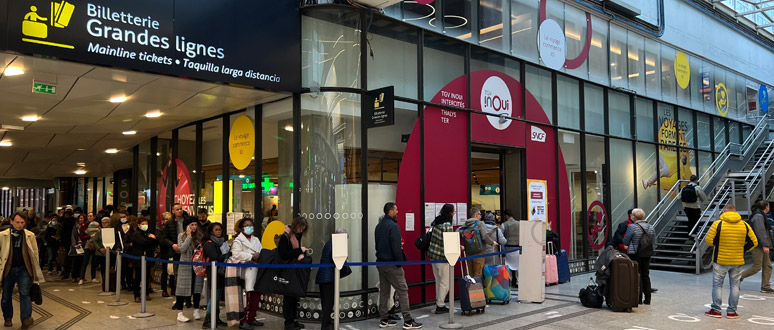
(681, 232)
(674, 244)
(682, 239)
(672, 251)
(672, 258)
(662, 265)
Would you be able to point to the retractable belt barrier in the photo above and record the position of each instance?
(351, 264)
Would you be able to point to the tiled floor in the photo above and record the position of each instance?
(679, 304)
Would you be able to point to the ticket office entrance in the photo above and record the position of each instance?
(497, 180)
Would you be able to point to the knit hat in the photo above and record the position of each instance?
(93, 224)
(189, 221)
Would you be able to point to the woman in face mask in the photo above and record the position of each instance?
(143, 244)
(188, 283)
(77, 245)
(246, 249)
(51, 236)
(216, 249)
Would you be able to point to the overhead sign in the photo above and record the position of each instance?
(490, 189)
(537, 198)
(380, 106)
(682, 70)
(203, 39)
(721, 99)
(241, 142)
(763, 98)
(43, 88)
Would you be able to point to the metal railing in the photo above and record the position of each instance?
(661, 210)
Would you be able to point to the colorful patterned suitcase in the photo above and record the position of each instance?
(497, 283)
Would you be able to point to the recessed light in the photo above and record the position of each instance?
(80, 172)
(6, 143)
(130, 132)
(81, 149)
(81, 164)
(153, 114)
(12, 127)
(6, 188)
(112, 151)
(118, 99)
(13, 71)
(30, 118)
(289, 128)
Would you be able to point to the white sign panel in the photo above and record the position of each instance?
(462, 213)
(429, 213)
(552, 44)
(537, 198)
(339, 249)
(108, 237)
(451, 247)
(409, 221)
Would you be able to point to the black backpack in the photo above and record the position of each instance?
(645, 249)
(423, 242)
(688, 194)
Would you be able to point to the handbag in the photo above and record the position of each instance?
(35, 294)
(423, 242)
(590, 296)
(76, 251)
(345, 271)
(170, 268)
(284, 281)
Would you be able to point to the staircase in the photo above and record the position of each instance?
(739, 175)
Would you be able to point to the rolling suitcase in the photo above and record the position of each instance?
(552, 276)
(563, 267)
(623, 288)
(497, 282)
(472, 298)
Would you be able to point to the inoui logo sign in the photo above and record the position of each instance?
(496, 99)
(538, 135)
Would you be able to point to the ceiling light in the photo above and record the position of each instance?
(241, 176)
(30, 118)
(130, 132)
(289, 128)
(81, 149)
(6, 188)
(112, 151)
(153, 114)
(118, 99)
(6, 143)
(12, 127)
(81, 164)
(13, 71)
(80, 172)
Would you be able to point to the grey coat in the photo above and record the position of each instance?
(185, 276)
(758, 224)
(511, 231)
(634, 233)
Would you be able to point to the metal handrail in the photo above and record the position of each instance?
(670, 198)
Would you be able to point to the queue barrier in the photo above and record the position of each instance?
(213, 317)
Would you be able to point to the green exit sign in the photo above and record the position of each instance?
(248, 186)
(43, 88)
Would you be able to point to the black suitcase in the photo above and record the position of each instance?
(623, 288)
(472, 297)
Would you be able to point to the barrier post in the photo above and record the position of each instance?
(214, 301)
(339, 252)
(143, 290)
(451, 249)
(118, 282)
(106, 278)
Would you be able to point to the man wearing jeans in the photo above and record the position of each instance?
(19, 264)
(389, 248)
(728, 236)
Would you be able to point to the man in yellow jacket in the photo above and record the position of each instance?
(728, 235)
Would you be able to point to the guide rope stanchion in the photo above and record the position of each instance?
(143, 291)
(452, 254)
(214, 301)
(106, 277)
(118, 282)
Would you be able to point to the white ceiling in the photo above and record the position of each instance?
(79, 123)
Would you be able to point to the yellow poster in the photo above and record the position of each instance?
(682, 70)
(241, 142)
(669, 159)
(721, 99)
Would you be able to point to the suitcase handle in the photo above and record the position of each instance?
(552, 249)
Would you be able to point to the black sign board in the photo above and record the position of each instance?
(253, 43)
(380, 107)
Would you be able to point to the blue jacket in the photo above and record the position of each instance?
(325, 274)
(387, 238)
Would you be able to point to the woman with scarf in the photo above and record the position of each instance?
(78, 238)
(90, 250)
(215, 249)
(289, 248)
(188, 283)
(246, 249)
(143, 244)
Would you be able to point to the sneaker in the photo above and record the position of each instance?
(79, 282)
(441, 309)
(769, 290)
(182, 318)
(94, 280)
(245, 326)
(386, 323)
(732, 315)
(713, 313)
(411, 324)
(165, 294)
(394, 317)
(253, 323)
(197, 314)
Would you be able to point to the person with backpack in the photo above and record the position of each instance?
(389, 248)
(691, 195)
(475, 237)
(495, 234)
(639, 240)
(760, 254)
(731, 238)
(188, 283)
(441, 224)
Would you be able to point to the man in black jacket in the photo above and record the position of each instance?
(168, 244)
(66, 240)
(389, 248)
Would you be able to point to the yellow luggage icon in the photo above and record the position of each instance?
(35, 29)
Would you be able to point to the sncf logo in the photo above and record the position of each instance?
(538, 135)
(496, 100)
